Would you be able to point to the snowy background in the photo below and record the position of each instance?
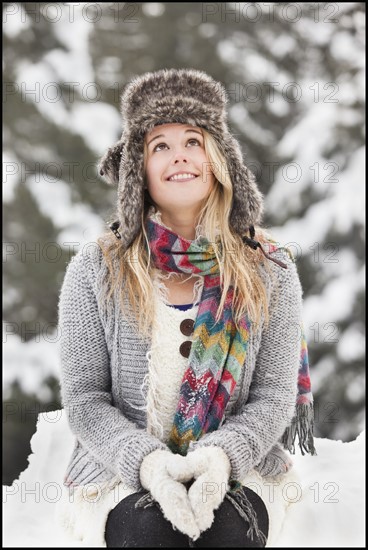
(295, 76)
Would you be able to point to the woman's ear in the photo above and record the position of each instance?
(109, 164)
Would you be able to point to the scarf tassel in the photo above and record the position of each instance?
(145, 501)
(302, 425)
(245, 509)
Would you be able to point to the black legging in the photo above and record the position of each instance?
(130, 527)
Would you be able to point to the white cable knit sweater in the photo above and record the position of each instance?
(166, 364)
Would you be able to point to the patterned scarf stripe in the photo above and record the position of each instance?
(218, 350)
(305, 395)
(216, 356)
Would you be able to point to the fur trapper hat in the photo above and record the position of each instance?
(185, 96)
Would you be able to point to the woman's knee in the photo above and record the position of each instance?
(131, 527)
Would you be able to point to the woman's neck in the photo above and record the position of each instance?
(180, 227)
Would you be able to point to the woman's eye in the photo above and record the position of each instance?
(189, 140)
(159, 145)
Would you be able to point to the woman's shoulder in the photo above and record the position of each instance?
(280, 268)
(87, 262)
(272, 245)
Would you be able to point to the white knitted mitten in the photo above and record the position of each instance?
(210, 466)
(171, 494)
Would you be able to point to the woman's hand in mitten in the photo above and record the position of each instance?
(275, 462)
(210, 466)
(171, 494)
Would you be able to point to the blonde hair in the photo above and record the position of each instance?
(239, 266)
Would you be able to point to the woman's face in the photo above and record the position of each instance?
(178, 173)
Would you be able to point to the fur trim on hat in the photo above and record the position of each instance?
(185, 96)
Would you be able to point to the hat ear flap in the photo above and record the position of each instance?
(247, 208)
(248, 204)
(109, 164)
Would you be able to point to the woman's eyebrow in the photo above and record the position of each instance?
(163, 135)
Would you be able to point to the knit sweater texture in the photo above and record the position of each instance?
(166, 365)
(111, 377)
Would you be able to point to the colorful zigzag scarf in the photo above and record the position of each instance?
(218, 349)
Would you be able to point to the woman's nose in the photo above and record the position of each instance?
(180, 156)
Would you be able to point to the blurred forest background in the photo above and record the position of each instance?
(295, 78)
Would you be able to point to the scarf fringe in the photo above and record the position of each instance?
(245, 509)
(303, 426)
(145, 501)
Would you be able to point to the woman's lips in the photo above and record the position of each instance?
(182, 179)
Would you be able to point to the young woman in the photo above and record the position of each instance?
(184, 363)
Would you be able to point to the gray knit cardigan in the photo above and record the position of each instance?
(103, 364)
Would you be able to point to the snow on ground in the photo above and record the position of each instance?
(326, 511)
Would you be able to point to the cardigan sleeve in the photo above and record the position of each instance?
(85, 381)
(248, 436)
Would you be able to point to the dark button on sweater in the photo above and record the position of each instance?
(185, 348)
(187, 326)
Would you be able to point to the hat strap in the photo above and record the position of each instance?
(256, 244)
(114, 228)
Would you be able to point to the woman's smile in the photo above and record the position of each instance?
(182, 177)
